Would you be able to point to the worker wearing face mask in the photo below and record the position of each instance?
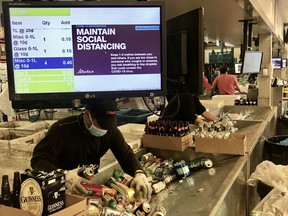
(80, 141)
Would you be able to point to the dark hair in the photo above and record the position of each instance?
(223, 69)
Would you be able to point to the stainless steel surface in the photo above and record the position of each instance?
(108, 165)
(226, 192)
(253, 130)
(228, 183)
(184, 198)
(258, 113)
(223, 188)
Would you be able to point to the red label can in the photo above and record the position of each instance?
(143, 209)
(94, 189)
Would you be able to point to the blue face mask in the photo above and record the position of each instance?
(95, 131)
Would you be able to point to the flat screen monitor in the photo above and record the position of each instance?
(185, 53)
(84, 50)
(252, 62)
(284, 62)
(237, 68)
(277, 62)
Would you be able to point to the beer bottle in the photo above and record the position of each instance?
(16, 190)
(5, 191)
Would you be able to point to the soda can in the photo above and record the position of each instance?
(110, 191)
(143, 209)
(147, 156)
(159, 186)
(93, 210)
(159, 211)
(94, 189)
(163, 171)
(170, 178)
(256, 213)
(128, 213)
(88, 172)
(107, 211)
(182, 169)
(199, 163)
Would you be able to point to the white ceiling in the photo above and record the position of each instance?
(284, 9)
(221, 17)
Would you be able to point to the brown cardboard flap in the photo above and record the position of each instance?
(167, 142)
(75, 206)
(5, 211)
(236, 144)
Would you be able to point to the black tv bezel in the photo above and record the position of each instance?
(190, 28)
(68, 96)
(243, 62)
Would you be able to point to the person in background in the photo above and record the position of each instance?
(226, 83)
(81, 140)
(186, 107)
(216, 72)
(206, 85)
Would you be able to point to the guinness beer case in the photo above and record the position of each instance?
(42, 193)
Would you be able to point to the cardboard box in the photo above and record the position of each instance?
(133, 134)
(167, 142)
(42, 192)
(229, 100)
(212, 104)
(235, 145)
(23, 147)
(74, 206)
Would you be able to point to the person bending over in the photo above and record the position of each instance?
(81, 140)
(186, 107)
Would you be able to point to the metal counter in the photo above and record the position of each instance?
(225, 192)
(221, 190)
(203, 192)
(224, 186)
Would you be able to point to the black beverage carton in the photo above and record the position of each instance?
(42, 193)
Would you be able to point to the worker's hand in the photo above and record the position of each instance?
(73, 182)
(141, 186)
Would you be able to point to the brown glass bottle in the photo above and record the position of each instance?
(16, 190)
(5, 191)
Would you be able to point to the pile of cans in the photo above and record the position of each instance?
(162, 172)
(116, 198)
(220, 129)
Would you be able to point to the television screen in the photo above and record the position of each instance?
(277, 62)
(83, 50)
(237, 68)
(252, 62)
(284, 62)
(185, 53)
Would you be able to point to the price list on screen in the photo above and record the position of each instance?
(42, 52)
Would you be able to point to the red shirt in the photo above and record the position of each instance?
(206, 83)
(226, 83)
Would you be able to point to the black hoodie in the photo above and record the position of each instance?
(69, 144)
